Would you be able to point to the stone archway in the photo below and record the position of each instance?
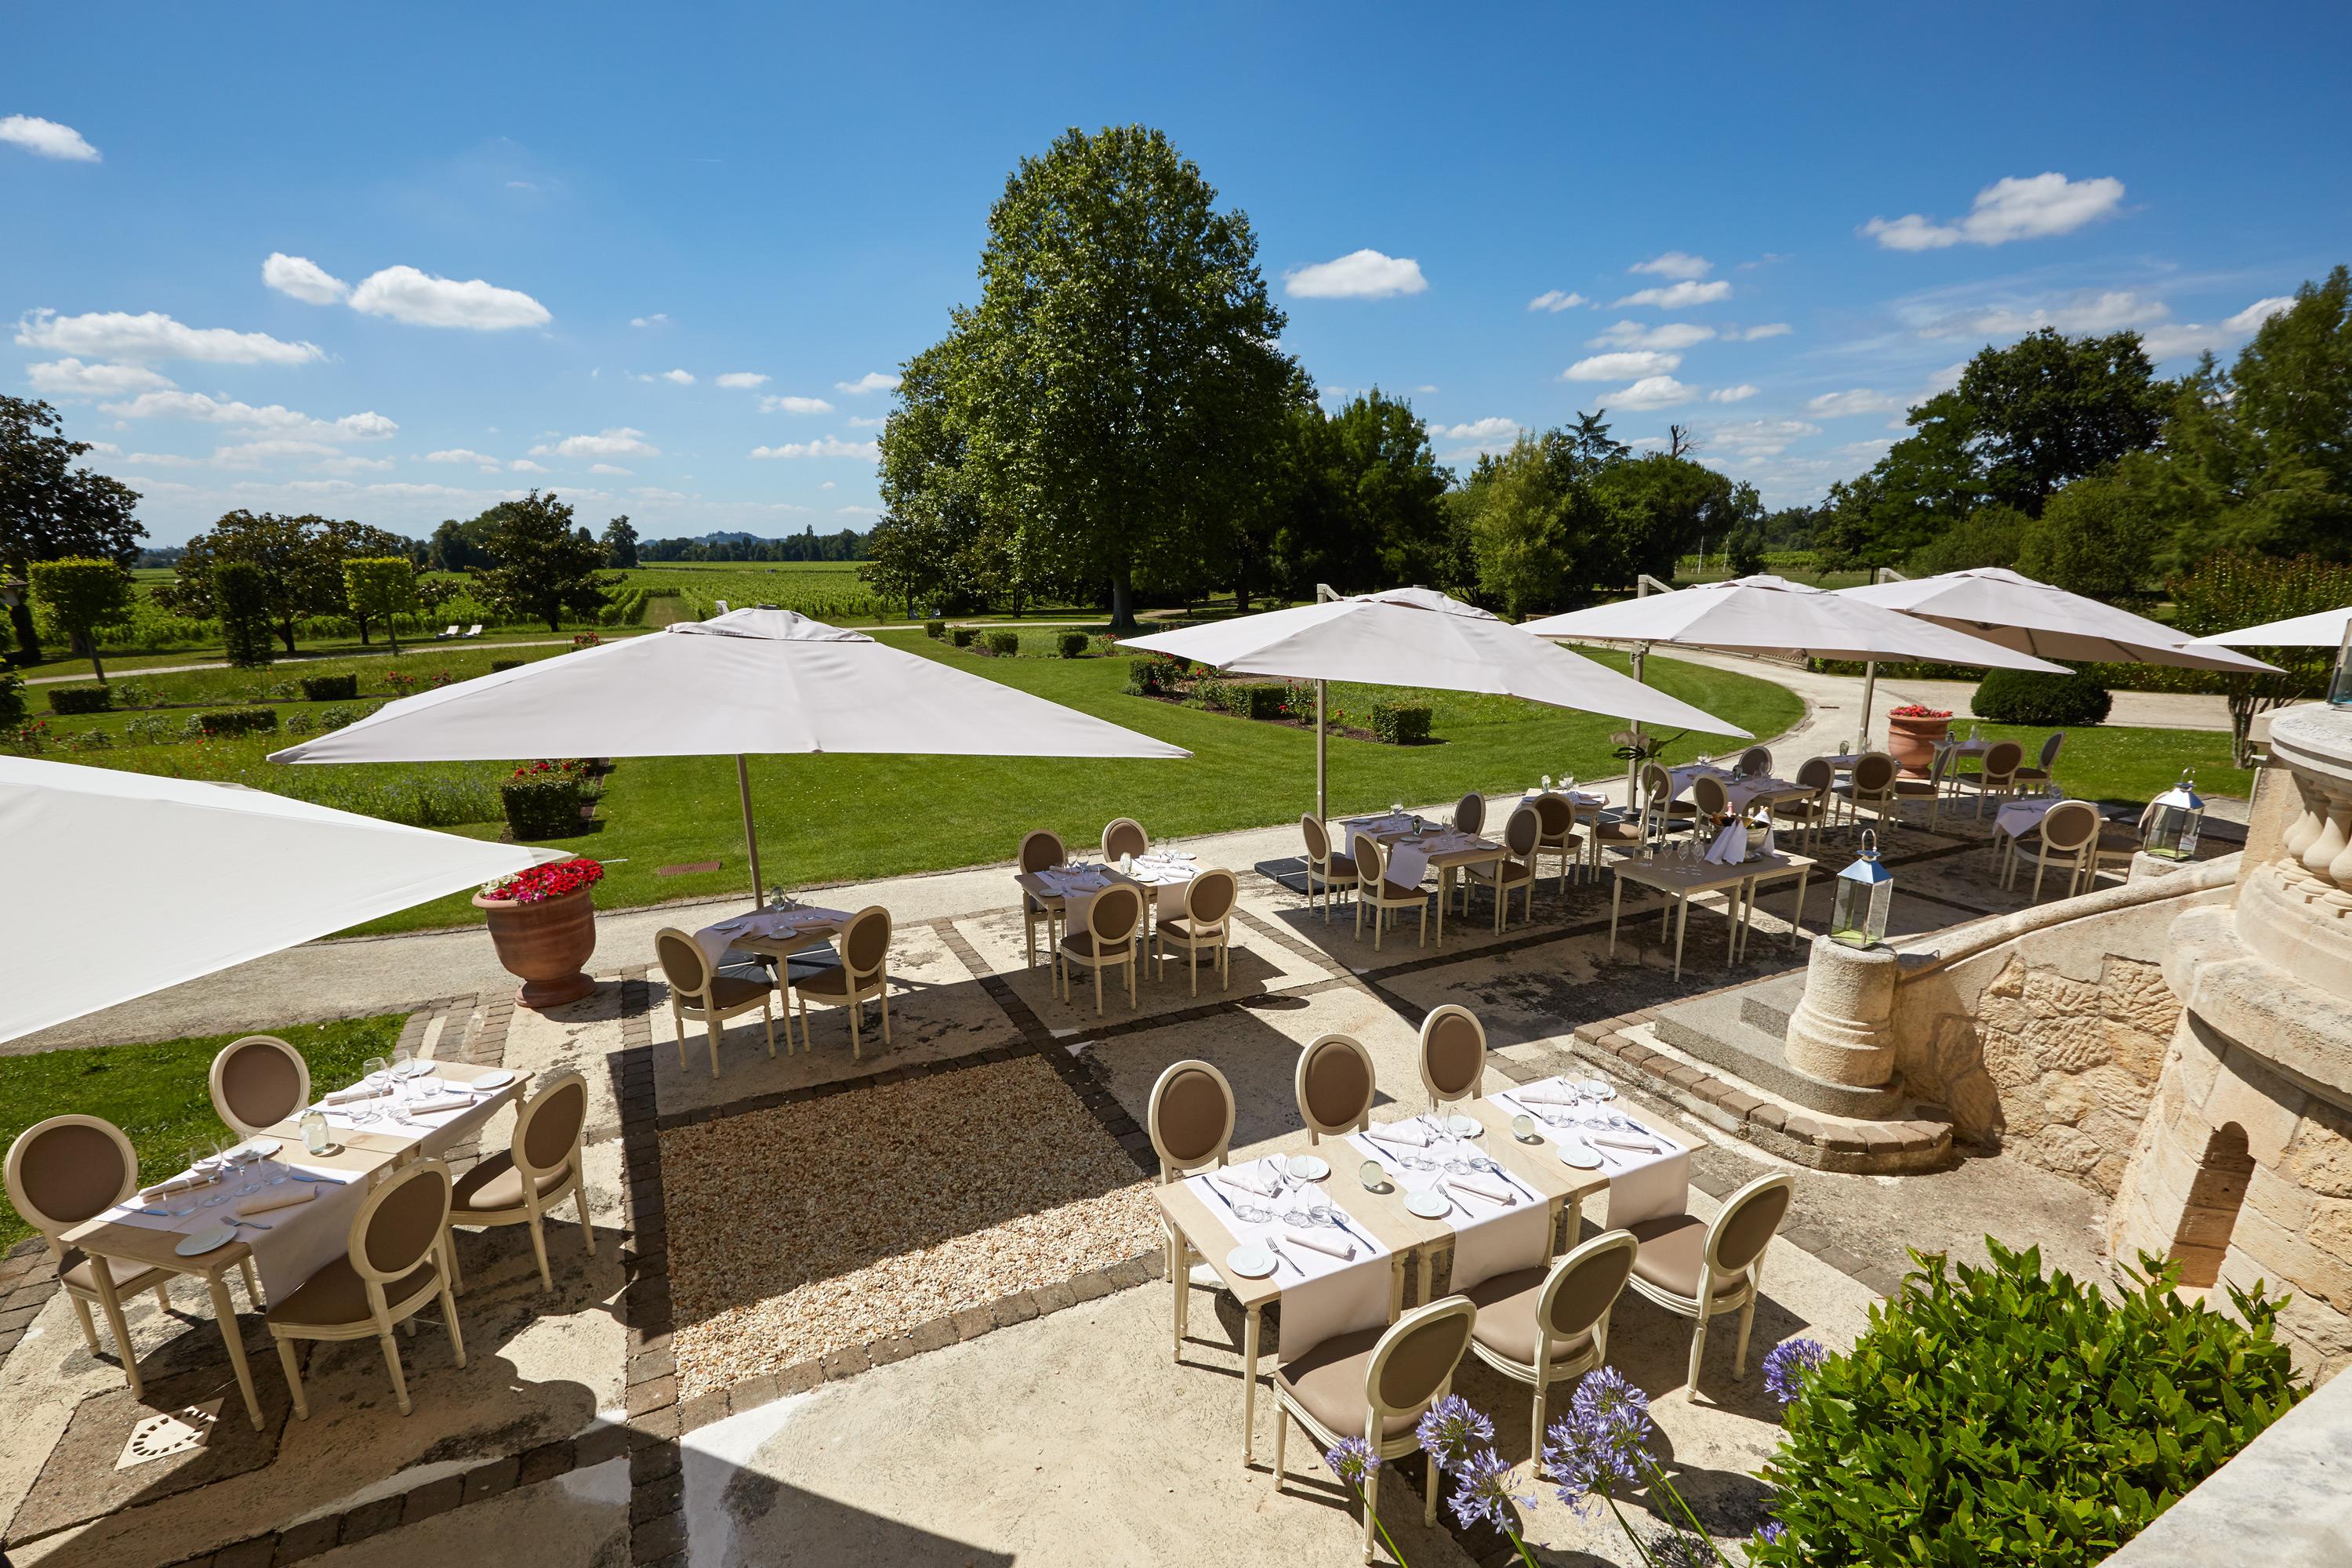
(2216, 1192)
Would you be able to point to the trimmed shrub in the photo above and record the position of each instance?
(1254, 700)
(935, 630)
(330, 687)
(962, 636)
(2007, 1418)
(2021, 697)
(498, 664)
(335, 717)
(80, 699)
(241, 592)
(541, 805)
(1143, 677)
(12, 701)
(1400, 724)
(235, 722)
(1073, 644)
(1004, 645)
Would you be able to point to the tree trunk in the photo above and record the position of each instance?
(286, 635)
(362, 621)
(390, 635)
(96, 668)
(1122, 602)
(29, 641)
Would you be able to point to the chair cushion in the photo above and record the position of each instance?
(2031, 773)
(1327, 1382)
(495, 1186)
(1506, 1317)
(1182, 931)
(2115, 838)
(129, 1278)
(1081, 944)
(1395, 893)
(730, 991)
(335, 1295)
(830, 981)
(1507, 872)
(1674, 1253)
(1338, 868)
(1921, 787)
(1627, 831)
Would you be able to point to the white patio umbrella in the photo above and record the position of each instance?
(126, 883)
(1417, 637)
(749, 682)
(1773, 616)
(2323, 629)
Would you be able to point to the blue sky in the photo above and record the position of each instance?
(507, 238)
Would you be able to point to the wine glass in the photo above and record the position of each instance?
(217, 1157)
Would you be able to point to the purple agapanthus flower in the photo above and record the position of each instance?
(1452, 1431)
(1484, 1493)
(1353, 1461)
(1786, 1368)
(1598, 1446)
(1772, 1533)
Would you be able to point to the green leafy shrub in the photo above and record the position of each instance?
(128, 694)
(330, 687)
(498, 664)
(1004, 645)
(66, 700)
(12, 701)
(302, 721)
(1252, 700)
(962, 636)
(335, 717)
(2007, 1418)
(541, 805)
(235, 722)
(151, 729)
(1143, 677)
(1074, 645)
(1400, 724)
(935, 630)
(88, 740)
(241, 591)
(2021, 697)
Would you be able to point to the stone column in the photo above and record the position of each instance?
(1844, 1029)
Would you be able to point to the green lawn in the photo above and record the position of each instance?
(157, 1094)
(2105, 763)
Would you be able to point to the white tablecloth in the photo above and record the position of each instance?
(1682, 776)
(1161, 878)
(2020, 818)
(714, 939)
(1323, 1295)
(1641, 1186)
(1746, 790)
(1409, 857)
(1489, 1238)
(1583, 800)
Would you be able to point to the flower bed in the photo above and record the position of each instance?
(552, 880)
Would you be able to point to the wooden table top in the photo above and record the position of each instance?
(1686, 876)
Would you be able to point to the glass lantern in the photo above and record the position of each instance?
(2339, 682)
(1864, 889)
(2178, 812)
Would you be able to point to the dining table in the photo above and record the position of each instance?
(289, 1242)
(1683, 880)
(1415, 847)
(776, 931)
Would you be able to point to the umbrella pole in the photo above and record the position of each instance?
(1322, 807)
(1634, 763)
(1869, 684)
(751, 838)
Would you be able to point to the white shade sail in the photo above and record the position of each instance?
(2004, 606)
(1411, 637)
(2324, 629)
(125, 883)
(1772, 616)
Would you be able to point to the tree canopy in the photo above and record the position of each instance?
(546, 564)
(300, 560)
(51, 508)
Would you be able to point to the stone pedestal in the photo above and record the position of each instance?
(1843, 1029)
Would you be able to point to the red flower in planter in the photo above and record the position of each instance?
(1918, 710)
(541, 883)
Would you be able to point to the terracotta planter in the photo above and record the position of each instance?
(1912, 741)
(545, 944)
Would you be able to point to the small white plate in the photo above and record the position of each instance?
(1250, 1261)
(497, 1078)
(1464, 1126)
(1579, 1154)
(1309, 1167)
(416, 1067)
(212, 1238)
(1596, 1088)
(261, 1148)
(1432, 1205)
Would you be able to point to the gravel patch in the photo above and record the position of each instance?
(837, 1222)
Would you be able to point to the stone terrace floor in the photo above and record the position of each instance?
(895, 1309)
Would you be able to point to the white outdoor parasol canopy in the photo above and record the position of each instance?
(751, 681)
(2015, 611)
(127, 883)
(1415, 636)
(2324, 629)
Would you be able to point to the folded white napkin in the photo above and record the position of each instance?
(187, 1182)
(1616, 1141)
(1547, 1092)
(284, 1197)
(1730, 845)
(1244, 1178)
(442, 1104)
(1331, 1242)
(1400, 1132)
(357, 1091)
(1482, 1186)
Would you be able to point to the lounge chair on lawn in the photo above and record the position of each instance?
(445, 637)
(473, 631)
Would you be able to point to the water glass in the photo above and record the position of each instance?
(1250, 1212)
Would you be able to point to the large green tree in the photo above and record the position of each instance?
(300, 560)
(940, 544)
(547, 566)
(1119, 386)
(620, 542)
(82, 595)
(1362, 502)
(51, 508)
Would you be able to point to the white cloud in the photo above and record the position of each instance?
(71, 378)
(2166, 341)
(1768, 330)
(1679, 296)
(827, 446)
(655, 492)
(1845, 404)
(348, 465)
(254, 454)
(872, 381)
(482, 460)
(1555, 301)
(1650, 392)
(274, 416)
(1496, 428)
(1610, 366)
(1739, 394)
(2106, 311)
(118, 336)
(676, 377)
(608, 469)
(46, 138)
(742, 380)
(524, 466)
(794, 405)
(1666, 335)
(2251, 317)
(826, 486)
(1675, 264)
(658, 318)
(855, 511)
(1358, 275)
(867, 421)
(302, 278)
(2014, 208)
(620, 441)
(421, 299)
(1752, 439)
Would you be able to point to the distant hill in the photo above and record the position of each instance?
(733, 544)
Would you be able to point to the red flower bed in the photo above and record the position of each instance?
(541, 883)
(575, 766)
(1918, 710)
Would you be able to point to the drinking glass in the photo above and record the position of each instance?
(217, 1158)
(1547, 783)
(401, 1055)
(1396, 808)
(1523, 1127)
(1251, 1212)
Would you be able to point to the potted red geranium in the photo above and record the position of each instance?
(544, 924)
(1913, 733)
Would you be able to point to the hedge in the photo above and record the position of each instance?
(542, 805)
(12, 700)
(80, 699)
(1143, 677)
(330, 687)
(498, 664)
(1400, 724)
(234, 722)
(2021, 697)
(1250, 700)
(1004, 645)
(1073, 644)
(935, 630)
(962, 636)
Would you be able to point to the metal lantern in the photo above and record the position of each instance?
(2175, 816)
(1865, 889)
